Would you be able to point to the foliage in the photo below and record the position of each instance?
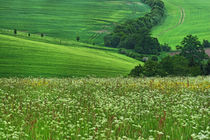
(206, 44)
(135, 34)
(175, 65)
(137, 71)
(15, 31)
(165, 47)
(148, 45)
(131, 53)
(154, 58)
(115, 108)
(192, 49)
(171, 65)
(150, 68)
(77, 38)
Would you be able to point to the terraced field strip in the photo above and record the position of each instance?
(184, 17)
(67, 19)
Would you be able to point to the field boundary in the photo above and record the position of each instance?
(52, 40)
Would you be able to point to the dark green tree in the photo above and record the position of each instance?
(134, 34)
(77, 38)
(148, 45)
(137, 71)
(165, 47)
(175, 65)
(206, 44)
(151, 68)
(192, 49)
(112, 40)
(15, 31)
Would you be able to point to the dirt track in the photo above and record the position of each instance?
(181, 21)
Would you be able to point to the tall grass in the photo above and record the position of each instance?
(115, 108)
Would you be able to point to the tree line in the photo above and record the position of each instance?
(135, 34)
(191, 61)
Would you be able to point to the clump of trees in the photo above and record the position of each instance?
(135, 34)
(192, 61)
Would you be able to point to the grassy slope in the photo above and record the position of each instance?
(66, 19)
(22, 57)
(184, 17)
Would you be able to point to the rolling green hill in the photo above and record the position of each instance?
(184, 17)
(66, 19)
(24, 57)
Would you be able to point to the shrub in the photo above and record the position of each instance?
(137, 71)
(78, 38)
(206, 44)
(15, 31)
(151, 68)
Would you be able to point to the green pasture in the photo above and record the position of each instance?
(23, 57)
(184, 17)
(67, 19)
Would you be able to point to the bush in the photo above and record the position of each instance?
(137, 71)
(154, 58)
(15, 31)
(165, 47)
(151, 68)
(206, 44)
(131, 53)
(77, 38)
(174, 66)
(195, 71)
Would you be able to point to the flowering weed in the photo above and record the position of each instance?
(114, 108)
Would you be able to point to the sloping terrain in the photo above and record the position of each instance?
(24, 57)
(67, 19)
(184, 17)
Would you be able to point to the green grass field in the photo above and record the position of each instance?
(66, 19)
(105, 109)
(24, 57)
(184, 17)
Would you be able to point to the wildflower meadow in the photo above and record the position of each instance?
(175, 108)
